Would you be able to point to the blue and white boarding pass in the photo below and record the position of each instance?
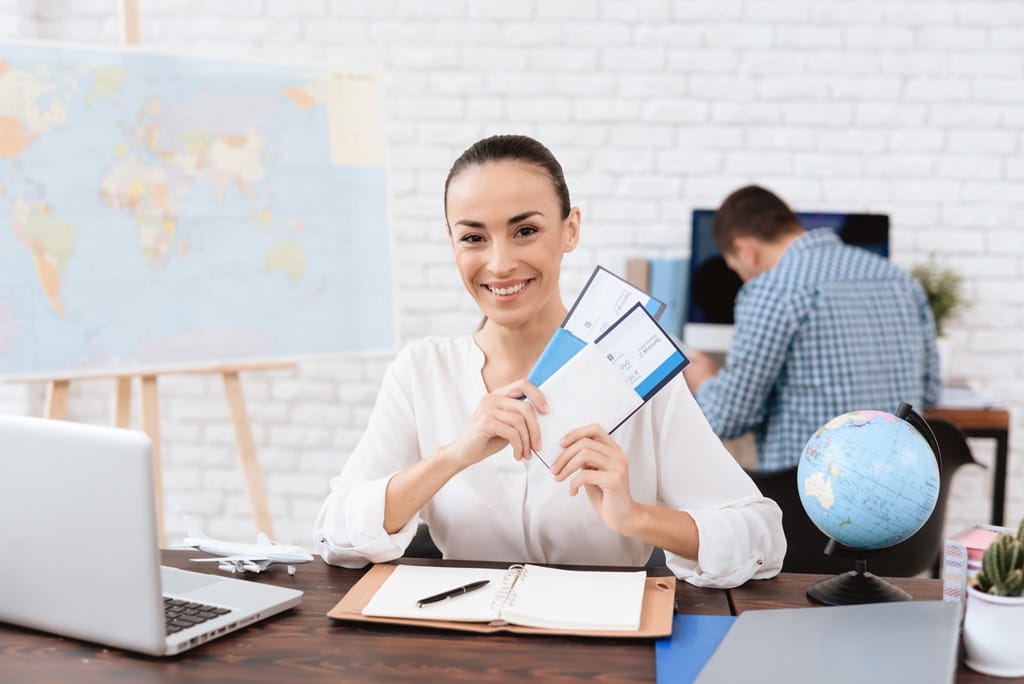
(603, 301)
(607, 380)
(642, 351)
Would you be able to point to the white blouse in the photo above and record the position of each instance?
(503, 510)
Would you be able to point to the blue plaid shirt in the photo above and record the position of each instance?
(829, 329)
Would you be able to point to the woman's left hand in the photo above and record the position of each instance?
(603, 470)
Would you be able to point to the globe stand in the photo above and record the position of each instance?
(855, 586)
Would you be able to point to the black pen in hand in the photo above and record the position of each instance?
(457, 591)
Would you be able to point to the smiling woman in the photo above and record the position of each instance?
(509, 231)
(450, 443)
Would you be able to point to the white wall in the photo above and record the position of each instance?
(911, 108)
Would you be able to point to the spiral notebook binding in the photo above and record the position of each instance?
(505, 596)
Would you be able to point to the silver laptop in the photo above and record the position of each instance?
(879, 643)
(79, 546)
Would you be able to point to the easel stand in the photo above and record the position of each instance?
(57, 391)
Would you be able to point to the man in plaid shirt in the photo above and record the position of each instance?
(822, 328)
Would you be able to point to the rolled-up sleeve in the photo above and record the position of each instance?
(349, 530)
(739, 542)
(740, 531)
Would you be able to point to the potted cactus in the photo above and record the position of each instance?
(995, 609)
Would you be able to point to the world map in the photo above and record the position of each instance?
(158, 210)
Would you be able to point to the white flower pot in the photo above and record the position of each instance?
(992, 632)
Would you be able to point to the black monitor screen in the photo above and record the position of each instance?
(713, 285)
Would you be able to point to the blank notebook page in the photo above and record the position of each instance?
(576, 600)
(408, 584)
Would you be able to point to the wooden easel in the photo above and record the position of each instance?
(57, 390)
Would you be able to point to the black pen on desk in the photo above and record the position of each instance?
(451, 593)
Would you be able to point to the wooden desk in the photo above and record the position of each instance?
(990, 423)
(303, 645)
(788, 590)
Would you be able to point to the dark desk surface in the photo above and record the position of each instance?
(304, 645)
(973, 418)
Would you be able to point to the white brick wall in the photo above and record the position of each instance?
(654, 107)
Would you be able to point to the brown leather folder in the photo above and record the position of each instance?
(655, 613)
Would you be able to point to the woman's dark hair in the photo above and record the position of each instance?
(752, 211)
(514, 148)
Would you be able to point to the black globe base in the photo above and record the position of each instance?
(854, 587)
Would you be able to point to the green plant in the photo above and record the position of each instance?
(944, 288)
(1002, 565)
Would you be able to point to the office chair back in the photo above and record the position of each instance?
(422, 544)
(917, 554)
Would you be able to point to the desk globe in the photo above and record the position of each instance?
(868, 480)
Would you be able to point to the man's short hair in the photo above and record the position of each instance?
(752, 211)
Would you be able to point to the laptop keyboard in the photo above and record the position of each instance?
(181, 615)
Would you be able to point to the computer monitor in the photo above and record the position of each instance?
(713, 285)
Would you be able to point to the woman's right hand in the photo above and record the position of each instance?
(502, 418)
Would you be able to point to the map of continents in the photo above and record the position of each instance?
(162, 210)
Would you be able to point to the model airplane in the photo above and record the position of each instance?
(238, 557)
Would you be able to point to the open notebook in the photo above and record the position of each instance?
(519, 598)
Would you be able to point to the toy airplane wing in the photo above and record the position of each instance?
(232, 559)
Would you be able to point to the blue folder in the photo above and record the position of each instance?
(668, 278)
(680, 657)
